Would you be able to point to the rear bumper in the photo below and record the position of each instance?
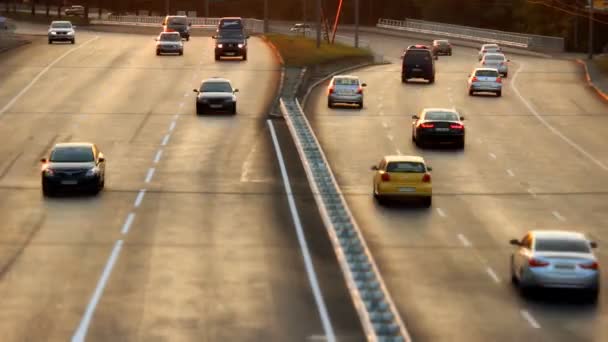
(486, 87)
(440, 136)
(399, 190)
(556, 280)
(358, 98)
(409, 73)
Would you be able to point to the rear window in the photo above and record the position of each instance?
(177, 21)
(406, 167)
(72, 155)
(447, 116)
(442, 42)
(561, 245)
(487, 73)
(346, 81)
(231, 24)
(417, 56)
(495, 58)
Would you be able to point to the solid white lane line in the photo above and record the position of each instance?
(166, 140)
(172, 126)
(159, 153)
(464, 240)
(558, 216)
(128, 222)
(390, 137)
(440, 212)
(530, 319)
(40, 74)
(492, 274)
(510, 173)
(140, 197)
(310, 270)
(492, 155)
(81, 332)
(150, 174)
(551, 128)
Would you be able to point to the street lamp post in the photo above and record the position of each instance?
(356, 23)
(265, 16)
(590, 30)
(318, 11)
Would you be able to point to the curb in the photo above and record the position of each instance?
(324, 79)
(275, 103)
(590, 82)
(274, 48)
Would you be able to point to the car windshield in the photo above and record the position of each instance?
(486, 73)
(447, 116)
(406, 167)
(417, 56)
(170, 37)
(442, 42)
(216, 87)
(491, 47)
(231, 24)
(71, 154)
(61, 25)
(561, 245)
(346, 81)
(178, 21)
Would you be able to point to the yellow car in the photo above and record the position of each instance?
(403, 177)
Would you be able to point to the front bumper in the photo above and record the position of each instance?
(230, 50)
(169, 49)
(340, 98)
(61, 37)
(80, 183)
(215, 105)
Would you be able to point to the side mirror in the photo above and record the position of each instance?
(364, 84)
(236, 90)
(593, 244)
(195, 90)
(189, 24)
(461, 118)
(43, 160)
(415, 117)
(213, 37)
(436, 57)
(102, 159)
(514, 242)
(248, 36)
(429, 168)
(374, 168)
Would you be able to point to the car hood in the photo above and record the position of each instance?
(208, 95)
(60, 30)
(71, 166)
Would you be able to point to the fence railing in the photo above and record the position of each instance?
(377, 312)
(312, 33)
(251, 25)
(517, 40)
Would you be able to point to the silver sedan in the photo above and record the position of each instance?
(555, 259)
(497, 61)
(345, 89)
(485, 80)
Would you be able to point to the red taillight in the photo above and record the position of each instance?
(427, 125)
(359, 90)
(386, 177)
(331, 90)
(484, 51)
(457, 126)
(590, 266)
(483, 63)
(537, 263)
(499, 79)
(474, 79)
(426, 178)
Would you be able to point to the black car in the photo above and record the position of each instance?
(418, 62)
(438, 125)
(232, 43)
(216, 94)
(73, 166)
(177, 23)
(442, 47)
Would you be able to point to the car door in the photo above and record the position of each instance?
(378, 173)
(521, 257)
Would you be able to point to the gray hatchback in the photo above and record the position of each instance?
(345, 89)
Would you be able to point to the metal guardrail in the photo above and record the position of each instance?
(312, 33)
(377, 312)
(517, 40)
(251, 25)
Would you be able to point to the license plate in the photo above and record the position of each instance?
(565, 267)
(442, 129)
(69, 182)
(230, 53)
(215, 106)
(416, 69)
(408, 189)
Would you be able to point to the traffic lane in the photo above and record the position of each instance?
(559, 94)
(213, 205)
(44, 116)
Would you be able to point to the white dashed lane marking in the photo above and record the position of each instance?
(492, 155)
(528, 317)
(385, 125)
(464, 240)
(390, 137)
(128, 222)
(510, 173)
(159, 154)
(492, 274)
(150, 174)
(398, 152)
(558, 216)
(440, 212)
(172, 126)
(140, 197)
(165, 140)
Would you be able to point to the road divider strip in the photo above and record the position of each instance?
(372, 301)
(602, 94)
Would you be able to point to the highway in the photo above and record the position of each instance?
(192, 239)
(534, 159)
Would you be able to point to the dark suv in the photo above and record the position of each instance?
(177, 23)
(230, 43)
(418, 63)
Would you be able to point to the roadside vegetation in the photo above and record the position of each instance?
(602, 63)
(302, 51)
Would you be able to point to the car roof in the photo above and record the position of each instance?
(347, 76)
(444, 110)
(402, 158)
(490, 45)
(216, 79)
(177, 16)
(61, 22)
(73, 144)
(231, 18)
(558, 234)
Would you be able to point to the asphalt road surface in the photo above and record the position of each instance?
(192, 239)
(534, 159)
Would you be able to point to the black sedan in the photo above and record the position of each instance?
(438, 125)
(216, 94)
(73, 166)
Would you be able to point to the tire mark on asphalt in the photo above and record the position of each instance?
(140, 126)
(10, 262)
(10, 164)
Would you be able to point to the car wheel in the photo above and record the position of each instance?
(403, 80)
(471, 92)
(217, 57)
(330, 104)
(245, 56)
(73, 41)
(157, 52)
(460, 144)
(506, 75)
(233, 111)
(181, 52)
(47, 191)
(432, 80)
(593, 294)
(50, 41)
(499, 93)
(450, 53)
(361, 105)
(427, 201)
(199, 109)
(188, 38)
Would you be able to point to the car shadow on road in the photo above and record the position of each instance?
(561, 298)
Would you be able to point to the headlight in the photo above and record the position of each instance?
(49, 172)
(220, 45)
(241, 46)
(92, 172)
(53, 32)
(71, 33)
